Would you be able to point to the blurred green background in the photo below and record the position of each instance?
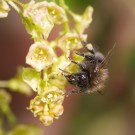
(110, 114)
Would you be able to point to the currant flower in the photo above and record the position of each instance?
(4, 9)
(40, 56)
(37, 20)
(56, 12)
(71, 41)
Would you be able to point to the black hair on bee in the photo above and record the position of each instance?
(92, 74)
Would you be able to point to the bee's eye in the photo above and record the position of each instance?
(99, 57)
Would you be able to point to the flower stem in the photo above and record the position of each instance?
(11, 117)
(14, 6)
(63, 5)
(19, 3)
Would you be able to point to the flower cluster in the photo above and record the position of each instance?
(48, 105)
(44, 76)
(41, 17)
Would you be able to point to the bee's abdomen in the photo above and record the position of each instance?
(98, 80)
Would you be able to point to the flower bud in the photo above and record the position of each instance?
(46, 120)
(57, 111)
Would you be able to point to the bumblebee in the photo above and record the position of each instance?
(92, 74)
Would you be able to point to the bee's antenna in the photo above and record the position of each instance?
(107, 57)
(63, 71)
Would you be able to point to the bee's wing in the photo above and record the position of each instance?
(106, 58)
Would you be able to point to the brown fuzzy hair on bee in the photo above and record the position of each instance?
(98, 82)
(92, 74)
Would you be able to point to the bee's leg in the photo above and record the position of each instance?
(74, 91)
(84, 43)
(88, 47)
(91, 58)
(85, 56)
(80, 54)
(79, 64)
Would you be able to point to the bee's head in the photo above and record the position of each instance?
(72, 79)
